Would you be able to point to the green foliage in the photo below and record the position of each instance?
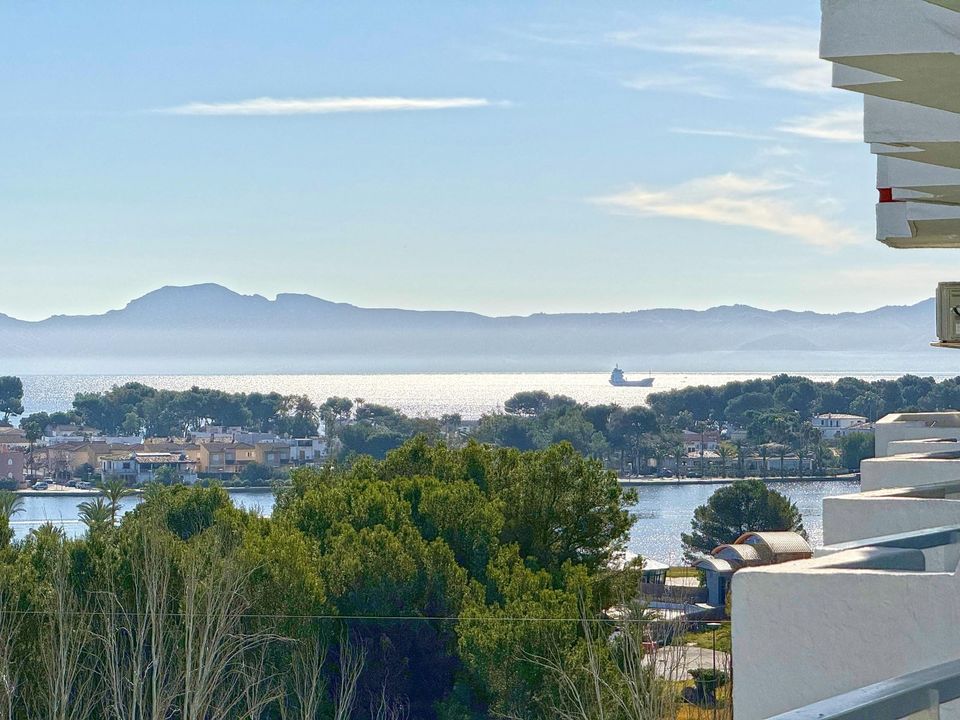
(256, 473)
(743, 506)
(167, 475)
(11, 396)
(855, 448)
(134, 408)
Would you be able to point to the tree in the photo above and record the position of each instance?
(529, 403)
(11, 397)
(96, 514)
(10, 505)
(167, 475)
(115, 490)
(855, 447)
(632, 429)
(726, 451)
(132, 424)
(744, 506)
(256, 473)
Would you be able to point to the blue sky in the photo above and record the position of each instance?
(501, 157)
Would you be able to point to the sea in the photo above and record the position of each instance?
(416, 394)
(662, 512)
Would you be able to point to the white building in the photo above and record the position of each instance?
(307, 451)
(694, 442)
(869, 629)
(139, 467)
(832, 424)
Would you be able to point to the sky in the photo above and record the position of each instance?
(500, 157)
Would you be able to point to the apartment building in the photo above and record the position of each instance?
(11, 466)
(225, 458)
(869, 628)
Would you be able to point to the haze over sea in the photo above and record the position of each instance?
(416, 394)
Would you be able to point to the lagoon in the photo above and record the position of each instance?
(662, 511)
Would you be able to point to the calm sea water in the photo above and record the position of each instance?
(663, 512)
(433, 394)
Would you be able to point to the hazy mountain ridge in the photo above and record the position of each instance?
(200, 327)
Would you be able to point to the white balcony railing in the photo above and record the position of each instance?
(917, 695)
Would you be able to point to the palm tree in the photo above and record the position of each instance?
(115, 490)
(741, 455)
(763, 456)
(96, 514)
(10, 504)
(725, 451)
(678, 452)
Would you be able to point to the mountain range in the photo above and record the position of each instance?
(211, 329)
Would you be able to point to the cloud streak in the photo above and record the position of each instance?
(326, 105)
(676, 82)
(751, 202)
(782, 56)
(837, 125)
(720, 133)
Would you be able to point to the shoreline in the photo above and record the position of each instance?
(62, 491)
(640, 482)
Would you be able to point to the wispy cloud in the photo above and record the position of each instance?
(676, 82)
(844, 125)
(324, 105)
(735, 134)
(781, 56)
(754, 202)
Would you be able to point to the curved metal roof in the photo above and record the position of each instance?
(715, 564)
(741, 554)
(777, 543)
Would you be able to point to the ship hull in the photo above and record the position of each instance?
(645, 382)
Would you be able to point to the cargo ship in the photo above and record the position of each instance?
(618, 379)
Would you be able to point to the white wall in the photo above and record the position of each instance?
(805, 635)
(906, 426)
(867, 515)
(899, 471)
(928, 445)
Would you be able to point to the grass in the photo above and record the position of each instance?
(686, 711)
(681, 572)
(704, 638)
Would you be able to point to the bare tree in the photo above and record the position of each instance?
(10, 662)
(615, 675)
(308, 682)
(383, 707)
(69, 692)
(214, 639)
(261, 688)
(138, 633)
(351, 667)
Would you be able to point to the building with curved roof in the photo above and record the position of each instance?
(749, 550)
(777, 547)
(740, 555)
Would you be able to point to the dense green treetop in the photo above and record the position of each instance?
(743, 506)
(11, 397)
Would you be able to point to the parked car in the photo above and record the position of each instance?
(693, 475)
(71, 483)
(84, 485)
(41, 485)
(666, 473)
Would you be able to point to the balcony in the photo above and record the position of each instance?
(902, 50)
(915, 696)
(859, 613)
(904, 57)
